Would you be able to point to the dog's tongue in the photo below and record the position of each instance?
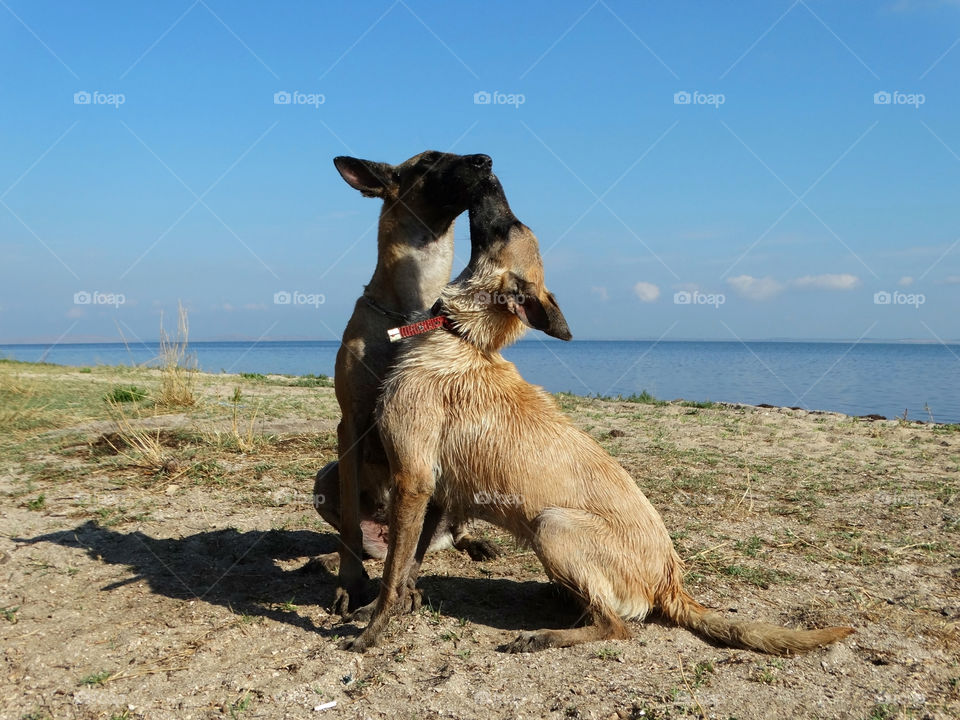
(374, 538)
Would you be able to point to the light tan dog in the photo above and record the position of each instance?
(460, 424)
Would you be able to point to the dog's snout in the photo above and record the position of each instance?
(482, 162)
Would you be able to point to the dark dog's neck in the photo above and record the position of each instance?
(490, 218)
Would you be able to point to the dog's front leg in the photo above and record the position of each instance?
(412, 598)
(408, 507)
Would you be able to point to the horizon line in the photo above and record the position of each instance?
(262, 341)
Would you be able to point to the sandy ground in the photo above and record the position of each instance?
(175, 580)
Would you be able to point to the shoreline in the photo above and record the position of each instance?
(637, 398)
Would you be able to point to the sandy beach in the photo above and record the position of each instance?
(156, 562)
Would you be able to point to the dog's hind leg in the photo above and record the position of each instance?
(353, 577)
(604, 625)
(575, 547)
(326, 494)
(477, 548)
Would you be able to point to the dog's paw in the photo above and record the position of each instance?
(480, 550)
(527, 642)
(327, 563)
(411, 601)
(350, 598)
(361, 614)
(359, 644)
(341, 603)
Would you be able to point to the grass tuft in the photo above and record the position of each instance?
(126, 393)
(96, 678)
(138, 445)
(177, 369)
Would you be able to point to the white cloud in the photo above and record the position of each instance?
(755, 288)
(905, 281)
(76, 312)
(844, 281)
(647, 292)
(952, 280)
(602, 292)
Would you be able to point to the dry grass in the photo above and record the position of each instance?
(178, 369)
(141, 447)
(14, 398)
(245, 441)
(20, 406)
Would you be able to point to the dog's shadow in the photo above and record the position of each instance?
(238, 570)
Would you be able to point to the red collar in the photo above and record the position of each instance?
(418, 328)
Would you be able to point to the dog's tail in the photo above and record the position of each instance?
(682, 609)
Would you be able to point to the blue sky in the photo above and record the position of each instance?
(777, 202)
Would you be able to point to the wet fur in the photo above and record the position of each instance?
(421, 199)
(460, 424)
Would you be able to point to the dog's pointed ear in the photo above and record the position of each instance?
(542, 315)
(373, 179)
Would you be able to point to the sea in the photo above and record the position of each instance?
(919, 381)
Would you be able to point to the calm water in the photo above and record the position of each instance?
(881, 378)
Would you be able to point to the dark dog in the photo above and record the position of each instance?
(461, 426)
(421, 199)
